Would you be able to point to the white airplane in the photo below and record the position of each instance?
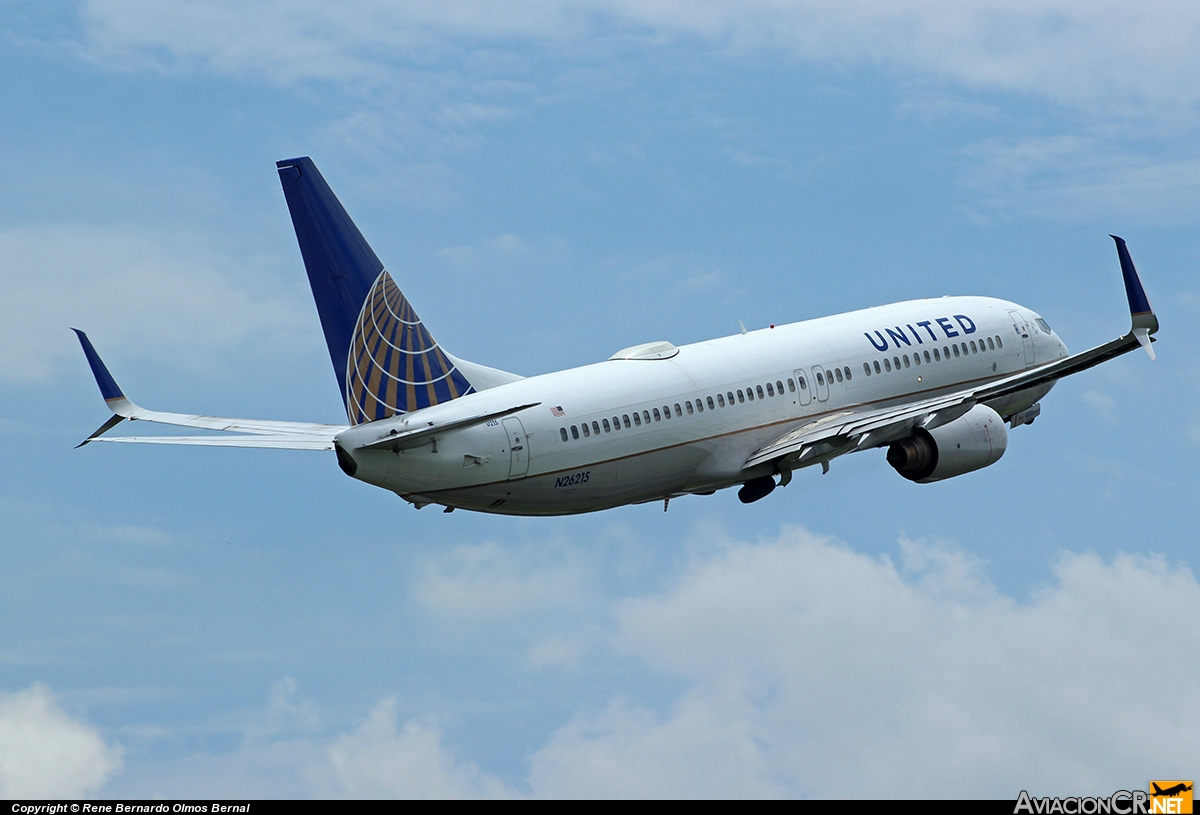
(933, 381)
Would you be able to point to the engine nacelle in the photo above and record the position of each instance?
(971, 442)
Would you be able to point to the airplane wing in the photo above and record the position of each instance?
(254, 432)
(852, 430)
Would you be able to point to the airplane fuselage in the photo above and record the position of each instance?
(666, 423)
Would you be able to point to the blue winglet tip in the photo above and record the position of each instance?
(109, 388)
(1138, 302)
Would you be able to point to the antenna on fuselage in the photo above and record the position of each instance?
(742, 326)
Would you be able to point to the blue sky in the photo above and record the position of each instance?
(549, 182)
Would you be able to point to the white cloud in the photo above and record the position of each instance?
(1110, 55)
(1102, 403)
(1071, 176)
(809, 664)
(797, 667)
(383, 759)
(491, 582)
(131, 294)
(47, 753)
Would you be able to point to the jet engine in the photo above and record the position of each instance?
(971, 442)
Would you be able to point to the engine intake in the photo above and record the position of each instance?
(971, 442)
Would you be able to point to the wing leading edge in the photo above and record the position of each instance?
(852, 430)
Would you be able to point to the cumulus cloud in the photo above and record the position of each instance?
(45, 752)
(386, 759)
(490, 582)
(1079, 53)
(800, 667)
(808, 663)
(130, 292)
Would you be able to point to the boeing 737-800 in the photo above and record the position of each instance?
(937, 382)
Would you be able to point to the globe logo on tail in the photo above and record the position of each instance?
(395, 366)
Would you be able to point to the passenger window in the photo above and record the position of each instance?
(711, 406)
(820, 378)
(999, 342)
(847, 370)
(750, 394)
(607, 426)
(758, 388)
(596, 428)
(955, 347)
(937, 355)
(991, 345)
(616, 423)
(927, 355)
(973, 349)
(917, 358)
(586, 432)
(867, 368)
(574, 432)
(637, 420)
(720, 400)
(657, 415)
(877, 369)
(905, 358)
(803, 384)
(646, 416)
(666, 411)
(625, 420)
(678, 410)
(791, 386)
(699, 406)
(688, 405)
(770, 390)
(896, 362)
(562, 431)
(946, 352)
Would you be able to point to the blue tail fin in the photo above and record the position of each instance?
(386, 362)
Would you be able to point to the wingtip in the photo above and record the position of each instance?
(109, 388)
(1140, 310)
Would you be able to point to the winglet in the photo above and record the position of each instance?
(109, 388)
(1139, 305)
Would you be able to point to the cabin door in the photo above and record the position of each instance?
(518, 447)
(803, 387)
(821, 384)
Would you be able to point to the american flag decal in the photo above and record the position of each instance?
(558, 411)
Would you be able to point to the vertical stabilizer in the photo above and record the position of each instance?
(385, 361)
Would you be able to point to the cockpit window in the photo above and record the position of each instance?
(1042, 324)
